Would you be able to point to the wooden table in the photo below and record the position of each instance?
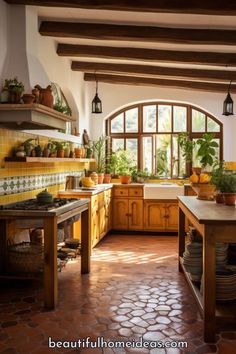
(216, 223)
(48, 220)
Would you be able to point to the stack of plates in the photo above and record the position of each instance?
(221, 255)
(225, 285)
(192, 260)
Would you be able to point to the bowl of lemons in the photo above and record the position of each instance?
(202, 186)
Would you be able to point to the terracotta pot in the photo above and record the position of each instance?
(229, 198)
(78, 152)
(125, 179)
(107, 178)
(60, 153)
(100, 178)
(28, 98)
(219, 198)
(46, 152)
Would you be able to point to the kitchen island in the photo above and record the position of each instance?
(35, 215)
(215, 223)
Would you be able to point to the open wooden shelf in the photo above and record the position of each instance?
(225, 311)
(47, 159)
(32, 116)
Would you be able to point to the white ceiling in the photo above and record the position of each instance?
(138, 18)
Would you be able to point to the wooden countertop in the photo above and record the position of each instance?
(209, 212)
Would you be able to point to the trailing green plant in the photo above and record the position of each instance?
(207, 149)
(60, 107)
(186, 146)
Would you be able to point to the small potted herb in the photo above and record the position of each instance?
(227, 185)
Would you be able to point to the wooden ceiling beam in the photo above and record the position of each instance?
(207, 7)
(153, 70)
(100, 31)
(144, 81)
(152, 55)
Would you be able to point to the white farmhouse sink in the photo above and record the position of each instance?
(162, 190)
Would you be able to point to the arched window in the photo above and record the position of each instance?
(150, 131)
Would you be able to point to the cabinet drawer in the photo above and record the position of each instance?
(136, 192)
(121, 192)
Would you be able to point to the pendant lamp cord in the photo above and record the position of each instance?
(229, 86)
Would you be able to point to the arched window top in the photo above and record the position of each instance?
(150, 131)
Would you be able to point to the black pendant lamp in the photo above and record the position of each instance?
(96, 102)
(228, 104)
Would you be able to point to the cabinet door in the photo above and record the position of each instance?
(120, 214)
(154, 216)
(94, 221)
(172, 216)
(135, 214)
(102, 221)
(108, 215)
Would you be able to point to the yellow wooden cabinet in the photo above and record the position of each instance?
(127, 208)
(160, 216)
(99, 214)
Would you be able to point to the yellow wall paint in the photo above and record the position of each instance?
(9, 139)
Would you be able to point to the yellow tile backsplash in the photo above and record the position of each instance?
(9, 139)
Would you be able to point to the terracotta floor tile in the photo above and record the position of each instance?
(128, 294)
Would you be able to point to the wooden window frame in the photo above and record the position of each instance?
(140, 134)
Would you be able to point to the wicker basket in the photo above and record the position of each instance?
(25, 258)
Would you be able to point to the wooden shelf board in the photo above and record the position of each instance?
(47, 159)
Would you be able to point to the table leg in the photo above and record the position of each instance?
(85, 243)
(3, 245)
(50, 263)
(209, 292)
(181, 235)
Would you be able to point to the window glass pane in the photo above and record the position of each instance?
(132, 146)
(117, 124)
(198, 121)
(175, 158)
(180, 119)
(147, 153)
(117, 144)
(149, 119)
(164, 118)
(212, 126)
(163, 155)
(131, 120)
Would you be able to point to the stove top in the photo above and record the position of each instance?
(33, 204)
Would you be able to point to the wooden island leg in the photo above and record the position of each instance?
(209, 291)
(50, 263)
(181, 235)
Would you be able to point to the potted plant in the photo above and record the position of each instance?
(206, 151)
(63, 108)
(99, 147)
(216, 178)
(28, 146)
(15, 88)
(125, 165)
(227, 185)
(140, 176)
(59, 146)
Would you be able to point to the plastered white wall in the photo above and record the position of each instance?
(114, 97)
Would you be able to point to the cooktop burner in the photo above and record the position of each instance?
(33, 204)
